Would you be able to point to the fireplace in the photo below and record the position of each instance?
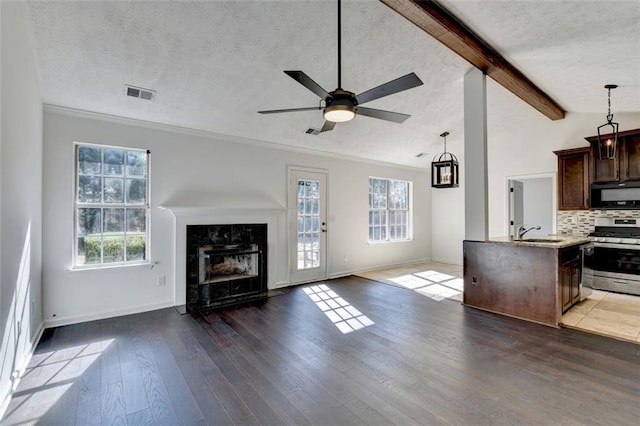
(226, 264)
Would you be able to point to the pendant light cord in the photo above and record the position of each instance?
(444, 136)
(339, 45)
(609, 115)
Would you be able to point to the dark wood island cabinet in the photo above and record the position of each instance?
(570, 276)
(531, 281)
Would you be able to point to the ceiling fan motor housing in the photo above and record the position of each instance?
(341, 97)
(340, 106)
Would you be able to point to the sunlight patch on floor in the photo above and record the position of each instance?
(344, 316)
(433, 284)
(48, 379)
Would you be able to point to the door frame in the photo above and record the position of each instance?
(554, 197)
(512, 220)
(292, 217)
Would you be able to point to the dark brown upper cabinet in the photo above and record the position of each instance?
(573, 179)
(624, 167)
(630, 159)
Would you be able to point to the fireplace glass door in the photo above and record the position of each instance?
(226, 264)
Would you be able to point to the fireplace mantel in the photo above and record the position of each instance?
(180, 211)
(204, 204)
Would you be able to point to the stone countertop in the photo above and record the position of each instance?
(550, 242)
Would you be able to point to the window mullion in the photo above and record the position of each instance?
(388, 210)
(102, 235)
(102, 206)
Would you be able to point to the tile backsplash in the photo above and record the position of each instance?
(582, 222)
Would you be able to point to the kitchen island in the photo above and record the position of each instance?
(534, 279)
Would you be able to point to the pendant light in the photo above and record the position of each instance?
(608, 132)
(444, 168)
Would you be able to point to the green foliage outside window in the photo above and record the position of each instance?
(113, 246)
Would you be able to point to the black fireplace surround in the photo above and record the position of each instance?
(226, 264)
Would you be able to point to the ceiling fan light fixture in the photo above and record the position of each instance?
(339, 113)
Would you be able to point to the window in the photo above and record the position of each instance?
(111, 206)
(389, 210)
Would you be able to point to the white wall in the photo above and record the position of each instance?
(190, 163)
(20, 198)
(538, 205)
(447, 220)
(520, 142)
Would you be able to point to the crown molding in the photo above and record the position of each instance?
(207, 134)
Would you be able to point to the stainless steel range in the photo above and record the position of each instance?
(612, 259)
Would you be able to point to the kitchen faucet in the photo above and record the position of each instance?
(522, 229)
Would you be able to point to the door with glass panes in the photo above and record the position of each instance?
(307, 225)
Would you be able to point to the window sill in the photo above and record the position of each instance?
(375, 243)
(113, 266)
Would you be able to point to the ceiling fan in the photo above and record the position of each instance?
(341, 105)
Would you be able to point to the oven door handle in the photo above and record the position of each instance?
(618, 246)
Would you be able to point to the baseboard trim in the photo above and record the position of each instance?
(346, 273)
(6, 398)
(448, 261)
(282, 284)
(376, 268)
(57, 322)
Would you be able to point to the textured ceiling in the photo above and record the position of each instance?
(215, 63)
(570, 49)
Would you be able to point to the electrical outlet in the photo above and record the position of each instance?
(162, 280)
(346, 259)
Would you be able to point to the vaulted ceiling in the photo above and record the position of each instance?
(214, 64)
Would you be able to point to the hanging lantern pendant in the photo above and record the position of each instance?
(608, 132)
(444, 168)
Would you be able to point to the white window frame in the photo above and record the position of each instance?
(77, 204)
(387, 210)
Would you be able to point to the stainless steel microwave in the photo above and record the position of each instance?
(615, 195)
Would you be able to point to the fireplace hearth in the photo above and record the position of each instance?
(226, 264)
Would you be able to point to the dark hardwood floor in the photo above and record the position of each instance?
(285, 362)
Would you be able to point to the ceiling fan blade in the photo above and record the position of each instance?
(396, 117)
(327, 126)
(306, 81)
(277, 111)
(405, 82)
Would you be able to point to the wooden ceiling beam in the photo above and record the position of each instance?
(446, 28)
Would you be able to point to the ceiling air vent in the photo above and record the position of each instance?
(139, 92)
